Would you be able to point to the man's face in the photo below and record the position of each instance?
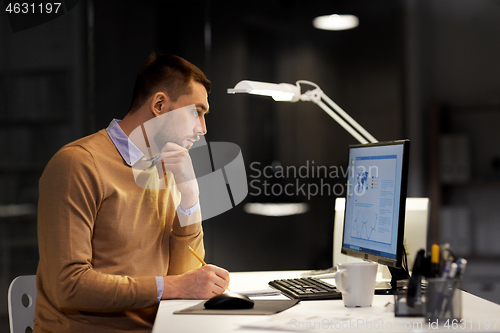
(184, 126)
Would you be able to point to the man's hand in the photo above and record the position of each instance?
(176, 159)
(201, 283)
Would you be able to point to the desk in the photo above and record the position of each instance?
(476, 312)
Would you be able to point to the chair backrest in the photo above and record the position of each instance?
(22, 299)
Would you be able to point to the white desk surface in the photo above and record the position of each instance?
(477, 313)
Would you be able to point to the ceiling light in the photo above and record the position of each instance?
(276, 209)
(336, 22)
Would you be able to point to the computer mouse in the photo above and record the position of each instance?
(229, 301)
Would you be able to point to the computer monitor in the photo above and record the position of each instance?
(375, 204)
(416, 226)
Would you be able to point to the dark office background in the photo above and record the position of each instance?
(402, 73)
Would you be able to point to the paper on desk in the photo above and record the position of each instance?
(259, 292)
(311, 322)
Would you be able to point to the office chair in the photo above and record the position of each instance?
(22, 298)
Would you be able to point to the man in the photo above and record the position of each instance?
(109, 248)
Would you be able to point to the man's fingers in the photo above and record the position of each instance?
(204, 282)
(171, 146)
(224, 281)
(222, 276)
(217, 290)
(172, 155)
(216, 285)
(174, 151)
(221, 283)
(175, 159)
(175, 163)
(221, 272)
(171, 163)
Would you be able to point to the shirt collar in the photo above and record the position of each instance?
(129, 152)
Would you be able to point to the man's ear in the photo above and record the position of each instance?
(159, 103)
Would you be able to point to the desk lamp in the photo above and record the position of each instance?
(285, 92)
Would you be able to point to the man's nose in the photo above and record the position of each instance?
(201, 128)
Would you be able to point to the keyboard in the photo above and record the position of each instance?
(306, 288)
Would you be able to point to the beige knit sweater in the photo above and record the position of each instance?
(103, 240)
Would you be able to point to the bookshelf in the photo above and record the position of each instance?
(42, 107)
(464, 156)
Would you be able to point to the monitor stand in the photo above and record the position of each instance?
(390, 288)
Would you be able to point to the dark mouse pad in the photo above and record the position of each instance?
(261, 307)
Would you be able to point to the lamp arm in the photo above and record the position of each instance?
(291, 93)
(341, 122)
(349, 118)
(358, 131)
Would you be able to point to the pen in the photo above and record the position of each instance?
(441, 290)
(197, 256)
(199, 259)
(445, 255)
(452, 271)
(446, 270)
(456, 273)
(441, 286)
(462, 263)
(449, 292)
(414, 285)
(435, 260)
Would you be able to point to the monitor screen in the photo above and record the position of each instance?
(375, 202)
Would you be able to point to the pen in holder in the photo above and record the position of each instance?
(409, 302)
(405, 308)
(443, 300)
(440, 300)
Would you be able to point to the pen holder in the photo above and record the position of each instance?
(403, 309)
(443, 301)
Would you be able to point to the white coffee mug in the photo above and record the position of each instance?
(356, 282)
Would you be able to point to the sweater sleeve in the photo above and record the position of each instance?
(70, 195)
(181, 260)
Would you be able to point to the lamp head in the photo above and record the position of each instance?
(283, 92)
(291, 93)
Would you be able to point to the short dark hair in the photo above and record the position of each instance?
(168, 73)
